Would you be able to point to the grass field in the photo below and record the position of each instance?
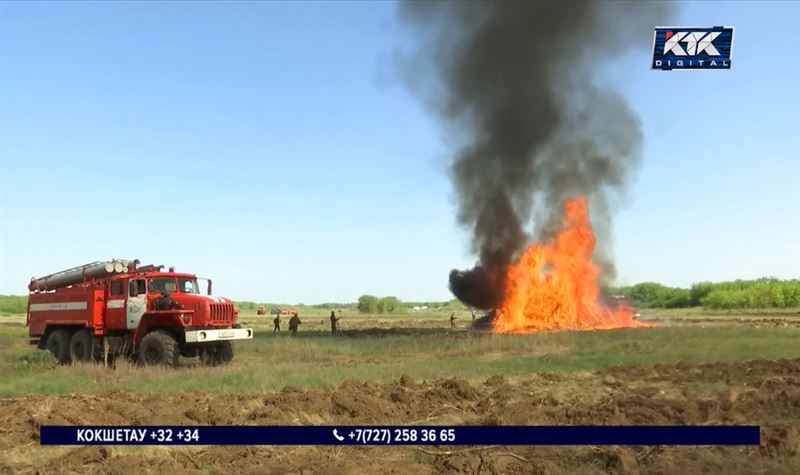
(694, 367)
(373, 348)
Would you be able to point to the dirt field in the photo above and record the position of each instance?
(690, 369)
(758, 392)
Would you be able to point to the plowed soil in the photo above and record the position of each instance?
(766, 393)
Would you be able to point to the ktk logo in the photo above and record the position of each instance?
(696, 43)
(692, 48)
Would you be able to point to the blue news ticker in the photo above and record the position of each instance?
(399, 435)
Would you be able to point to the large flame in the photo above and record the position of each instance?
(553, 286)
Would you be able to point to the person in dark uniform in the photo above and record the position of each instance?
(294, 322)
(334, 325)
(277, 322)
(452, 319)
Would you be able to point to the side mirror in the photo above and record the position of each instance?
(209, 287)
(133, 288)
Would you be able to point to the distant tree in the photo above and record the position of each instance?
(647, 294)
(389, 305)
(699, 291)
(368, 304)
(776, 296)
(677, 298)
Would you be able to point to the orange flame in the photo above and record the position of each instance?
(553, 286)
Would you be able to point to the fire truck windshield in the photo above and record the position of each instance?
(162, 284)
(188, 285)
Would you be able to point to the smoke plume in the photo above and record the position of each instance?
(512, 82)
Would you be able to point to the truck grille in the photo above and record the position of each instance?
(221, 312)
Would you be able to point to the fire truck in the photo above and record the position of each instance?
(105, 309)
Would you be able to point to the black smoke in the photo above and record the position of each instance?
(513, 84)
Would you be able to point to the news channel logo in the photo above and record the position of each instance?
(690, 49)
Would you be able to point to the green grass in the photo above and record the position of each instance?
(702, 312)
(315, 359)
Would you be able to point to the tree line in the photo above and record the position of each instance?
(767, 292)
(13, 304)
(373, 304)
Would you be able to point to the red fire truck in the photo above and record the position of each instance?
(103, 309)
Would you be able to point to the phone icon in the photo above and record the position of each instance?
(338, 437)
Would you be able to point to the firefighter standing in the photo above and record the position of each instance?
(334, 321)
(452, 319)
(293, 323)
(277, 322)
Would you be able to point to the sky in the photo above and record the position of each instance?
(272, 147)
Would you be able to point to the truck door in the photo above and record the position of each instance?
(137, 304)
(115, 305)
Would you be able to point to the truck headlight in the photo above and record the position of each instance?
(201, 336)
(186, 318)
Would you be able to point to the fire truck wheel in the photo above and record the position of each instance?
(81, 346)
(225, 352)
(158, 348)
(58, 345)
(219, 354)
(207, 356)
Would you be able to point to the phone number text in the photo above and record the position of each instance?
(402, 436)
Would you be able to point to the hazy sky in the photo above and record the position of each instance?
(271, 147)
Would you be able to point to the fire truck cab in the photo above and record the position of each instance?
(103, 309)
